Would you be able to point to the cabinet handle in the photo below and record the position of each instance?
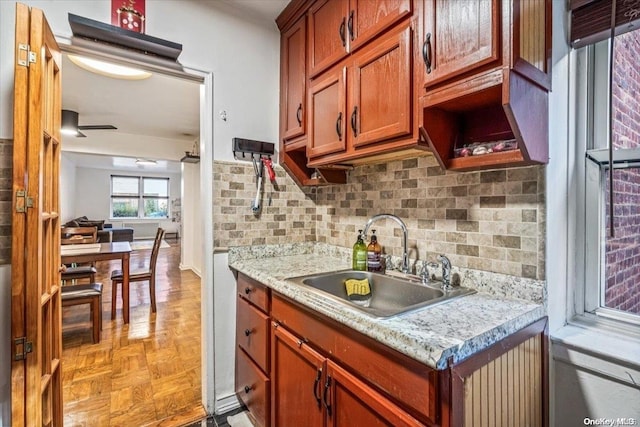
(339, 126)
(247, 290)
(350, 25)
(426, 52)
(247, 332)
(354, 121)
(299, 114)
(327, 384)
(342, 34)
(247, 389)
(316, 383)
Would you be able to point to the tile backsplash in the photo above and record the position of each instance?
(485, 220)
(288, 213)
(6, 199)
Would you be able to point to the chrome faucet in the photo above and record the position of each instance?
(446, 272)
(405, 254)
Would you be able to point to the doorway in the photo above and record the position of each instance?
(195, 184)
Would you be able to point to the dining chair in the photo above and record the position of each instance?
(86, 294)
(148, 274)
(79, 235)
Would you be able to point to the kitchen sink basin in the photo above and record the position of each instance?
(390, 295)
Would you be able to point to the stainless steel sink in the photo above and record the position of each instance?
(390, 295)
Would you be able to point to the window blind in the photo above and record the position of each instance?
(591, 19)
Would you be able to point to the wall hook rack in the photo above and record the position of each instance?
(249, 149)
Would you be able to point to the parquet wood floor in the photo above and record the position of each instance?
(146, 373)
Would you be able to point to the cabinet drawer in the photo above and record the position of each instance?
(252, 333)
(411, 384)
(253, 291)
(252, 388)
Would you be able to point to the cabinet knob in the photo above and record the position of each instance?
(247, 290)
(247, 389)
(247, 332)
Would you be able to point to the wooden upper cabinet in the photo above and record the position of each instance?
(327, 119)
(327, 34)
(458, 37)
(293, 80)
(339, 27)
(368, 18)
(380, 82)
(298, 374)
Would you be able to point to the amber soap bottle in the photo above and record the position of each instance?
(374, 254)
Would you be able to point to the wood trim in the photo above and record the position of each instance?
(292, 12)
(18, 221)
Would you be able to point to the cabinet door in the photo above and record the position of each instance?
(297, 373)
(293, 80)
(328, 36)
(327, 114)
(368, 18)
(381, 85)
(459, 36)
(354, 403)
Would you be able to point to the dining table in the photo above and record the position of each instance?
(90, 252)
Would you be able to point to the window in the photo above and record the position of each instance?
(612, 262)
(139, 197)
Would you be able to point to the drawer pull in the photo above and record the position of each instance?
(247, 332)
(342, 34)
(327, 384)
(426, 53)
(247, 389)
(316, 389)
(247, 290)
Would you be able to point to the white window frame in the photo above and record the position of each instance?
(592, 132)
(141, 197)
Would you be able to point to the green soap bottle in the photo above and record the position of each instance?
(359, 254)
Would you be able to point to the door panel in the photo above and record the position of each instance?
(328, 38)
(463, 36)
(354, 403)
(36, 307)
(327, 114)
(381, 90)
(297, 374)
(368, 18)
(294, 79)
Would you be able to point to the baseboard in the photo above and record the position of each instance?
(187, 267)
(226, 404)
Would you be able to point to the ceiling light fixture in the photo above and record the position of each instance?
(145, 162)
(70, 124)
(108, 69)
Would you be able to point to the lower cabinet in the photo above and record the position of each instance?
(322, 373)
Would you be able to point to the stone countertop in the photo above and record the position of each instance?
(456, 329)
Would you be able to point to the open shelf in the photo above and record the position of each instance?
(293, 157)
(506, 109)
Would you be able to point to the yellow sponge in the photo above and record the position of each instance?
(357, 289)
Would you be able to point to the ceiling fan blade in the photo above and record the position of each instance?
(97, 127)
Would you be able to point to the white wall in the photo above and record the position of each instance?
(67, 189)
(242, 54)
(93, 187)
(192, 243)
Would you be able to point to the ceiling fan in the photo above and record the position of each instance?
(70, 125)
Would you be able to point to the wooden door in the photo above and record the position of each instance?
(328, 38)
(354, 403)
(368, 18)
(327, 120)
(459, 36)
(296, 381)
(381, 86)
(293, 80)
(36, 323)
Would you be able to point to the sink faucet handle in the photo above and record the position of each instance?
(424, 272)
(446, 271)
(388, 262)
